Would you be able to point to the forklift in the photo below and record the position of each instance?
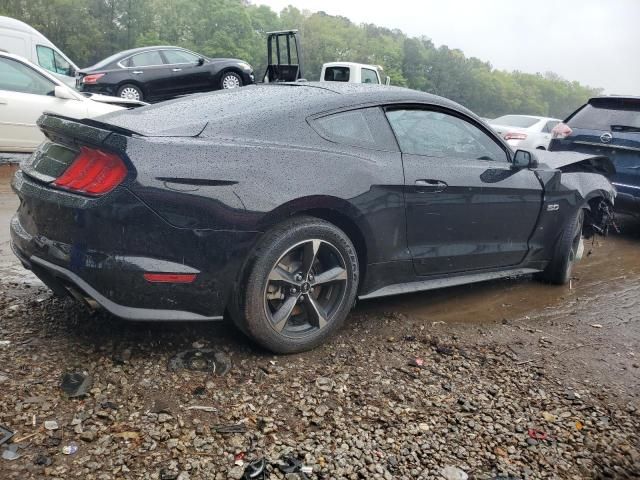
(284, 62)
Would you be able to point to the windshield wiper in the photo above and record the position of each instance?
(625, 128)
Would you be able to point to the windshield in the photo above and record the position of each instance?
(606, 118)
(521, 121)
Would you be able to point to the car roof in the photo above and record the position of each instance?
(256, 108)
(350, 64)
(13, 24)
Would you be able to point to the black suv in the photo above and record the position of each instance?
(609, 126)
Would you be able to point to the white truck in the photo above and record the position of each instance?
(353, 73)
(20, 39)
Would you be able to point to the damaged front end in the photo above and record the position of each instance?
(575, 180)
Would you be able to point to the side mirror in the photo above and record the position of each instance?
(524, 159)
(200, 61)
(63, 93)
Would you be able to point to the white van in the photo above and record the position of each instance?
(20, 39)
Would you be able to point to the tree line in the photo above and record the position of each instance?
(90, 30)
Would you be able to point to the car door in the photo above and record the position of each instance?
(188, 75)
(466, 208)
(149, 70)
(24, 95)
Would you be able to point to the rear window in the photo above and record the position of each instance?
(336, 74)
(607, 116)
(365, 128)
(515, 121)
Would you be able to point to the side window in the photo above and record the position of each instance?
(337, 74)
(51, 60)
(17, 77)
(179, 56)
(146, 59)
(369, 76)
(436, 134)
(549, 126)
(45, 58)
(62, 66)
(366, 128)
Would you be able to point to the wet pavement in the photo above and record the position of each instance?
(537, 344)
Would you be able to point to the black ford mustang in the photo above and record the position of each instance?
(158, 73)
(282, 217)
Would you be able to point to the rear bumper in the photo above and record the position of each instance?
(110, 90)
(102, 248)
(64, 282)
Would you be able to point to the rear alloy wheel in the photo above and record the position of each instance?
(230, 80)
(130, 92)
(301, 287)
(569, 250)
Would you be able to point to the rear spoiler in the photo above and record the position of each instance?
(94, 131)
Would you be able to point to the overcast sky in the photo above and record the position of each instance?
(596, 42)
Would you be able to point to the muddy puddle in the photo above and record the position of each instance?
(610, 272)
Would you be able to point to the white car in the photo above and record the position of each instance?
(525, 131)
(27, 91)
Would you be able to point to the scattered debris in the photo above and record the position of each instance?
(416, 362)
(51, 425)
(453, 473)
(536, 434)
(202, 360)
(255, 470)
(70, 449)
(293, 465)
(5, 343)
(596, 325)
(549, 417)
(203, 408)
(11, 452)
(76, 384)
(234, 428)
(5, 434)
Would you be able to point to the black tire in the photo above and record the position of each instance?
(230, 80)
(559, 269)
(276, 269)
(124, 90)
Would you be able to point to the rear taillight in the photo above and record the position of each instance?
(515, 136)
(561, 130)
(93, 78)
(93, 172)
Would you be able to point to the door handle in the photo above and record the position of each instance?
(176, 69)
(137, 72)
(430, 186)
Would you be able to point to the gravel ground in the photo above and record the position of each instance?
(367, 405)
(507, 379)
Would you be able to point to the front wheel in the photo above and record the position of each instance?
(130, 92)
(230, 80)
(300, 287)
(568, 251)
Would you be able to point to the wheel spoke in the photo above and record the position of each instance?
(309, 252)
(333, 275)
(279, 274)
(317, 316)
(282, 315)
